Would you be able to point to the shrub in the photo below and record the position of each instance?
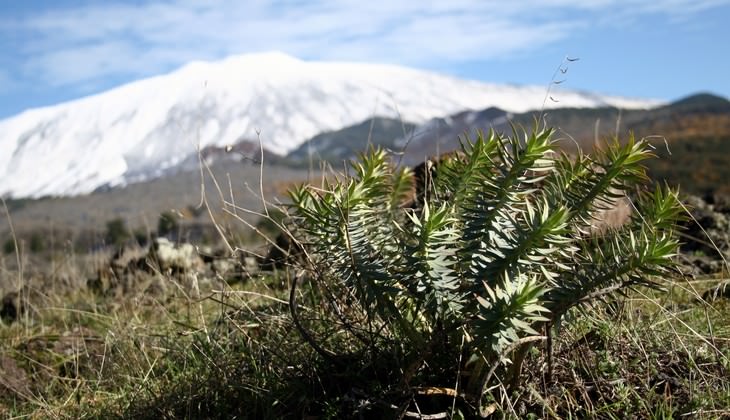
(503, 248)
(195, 210)
(36, 243)
(167, 223)
(141, 236)
(270, 225)
(9, 246)
(116, 232)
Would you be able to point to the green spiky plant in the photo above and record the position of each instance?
(501, 247)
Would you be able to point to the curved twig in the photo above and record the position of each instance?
(303, 331)
(496, 364)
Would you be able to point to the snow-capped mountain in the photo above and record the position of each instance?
(144, 128)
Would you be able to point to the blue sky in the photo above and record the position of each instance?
(53, 51)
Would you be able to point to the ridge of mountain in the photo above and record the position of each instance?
(582, 127)
(343, 144)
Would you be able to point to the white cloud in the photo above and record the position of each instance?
(76, 46)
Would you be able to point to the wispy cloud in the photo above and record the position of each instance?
(79, 45)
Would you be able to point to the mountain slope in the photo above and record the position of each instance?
(691, 136)
(142, 129)
(344, 144)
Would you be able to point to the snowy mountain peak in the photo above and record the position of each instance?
(138, 130)
(255, 63)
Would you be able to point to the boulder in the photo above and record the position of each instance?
(708, 231)
(721, 291)
(11, 307)
(284, 253)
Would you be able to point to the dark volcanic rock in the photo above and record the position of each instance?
(707, 232)
(11, 307)
(706, 241)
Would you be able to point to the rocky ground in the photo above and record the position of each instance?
(704, 252)
(705, 249)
